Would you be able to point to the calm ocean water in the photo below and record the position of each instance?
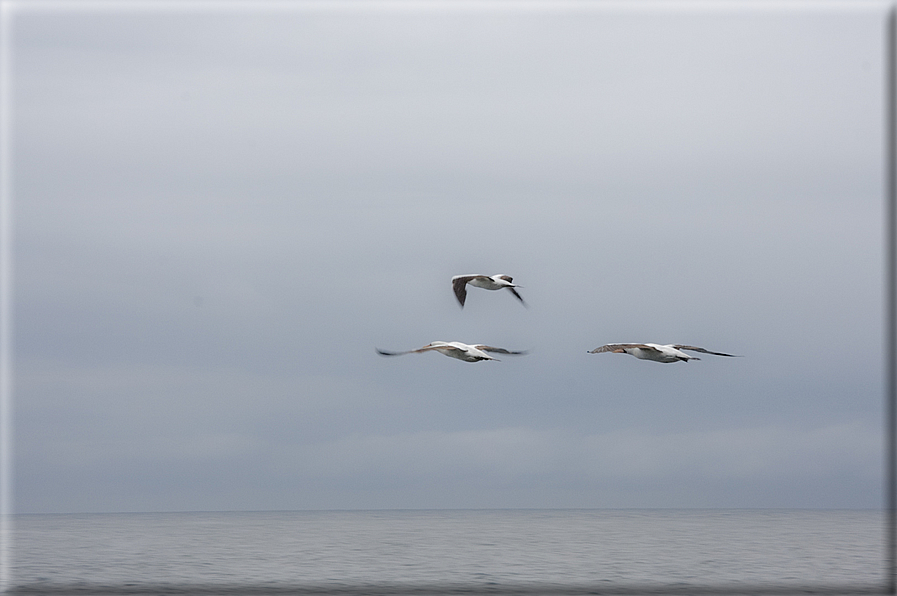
(469, 548)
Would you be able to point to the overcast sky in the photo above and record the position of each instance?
(220, 213)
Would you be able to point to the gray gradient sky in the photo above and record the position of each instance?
(219, 213)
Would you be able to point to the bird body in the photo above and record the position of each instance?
(498, 281)
(455, 349)
(656, 352)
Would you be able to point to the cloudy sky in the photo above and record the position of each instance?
(221, 211)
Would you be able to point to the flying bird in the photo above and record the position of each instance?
(455, 349)
(657, 353)
(487, 282)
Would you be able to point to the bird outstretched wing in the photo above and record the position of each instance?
(615, 347)
(516, 295)
(459, 284)
(387, 353)
(423, 349)
(501, 350)
(703, 351)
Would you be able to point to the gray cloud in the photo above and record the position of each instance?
(220, 216)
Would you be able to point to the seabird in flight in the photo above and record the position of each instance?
(455, 349)
(656, 352)
(487, 282)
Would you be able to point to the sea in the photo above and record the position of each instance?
(508, 551)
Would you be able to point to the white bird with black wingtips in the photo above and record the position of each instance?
(498, 281)
(455, 349)
(656, 352)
